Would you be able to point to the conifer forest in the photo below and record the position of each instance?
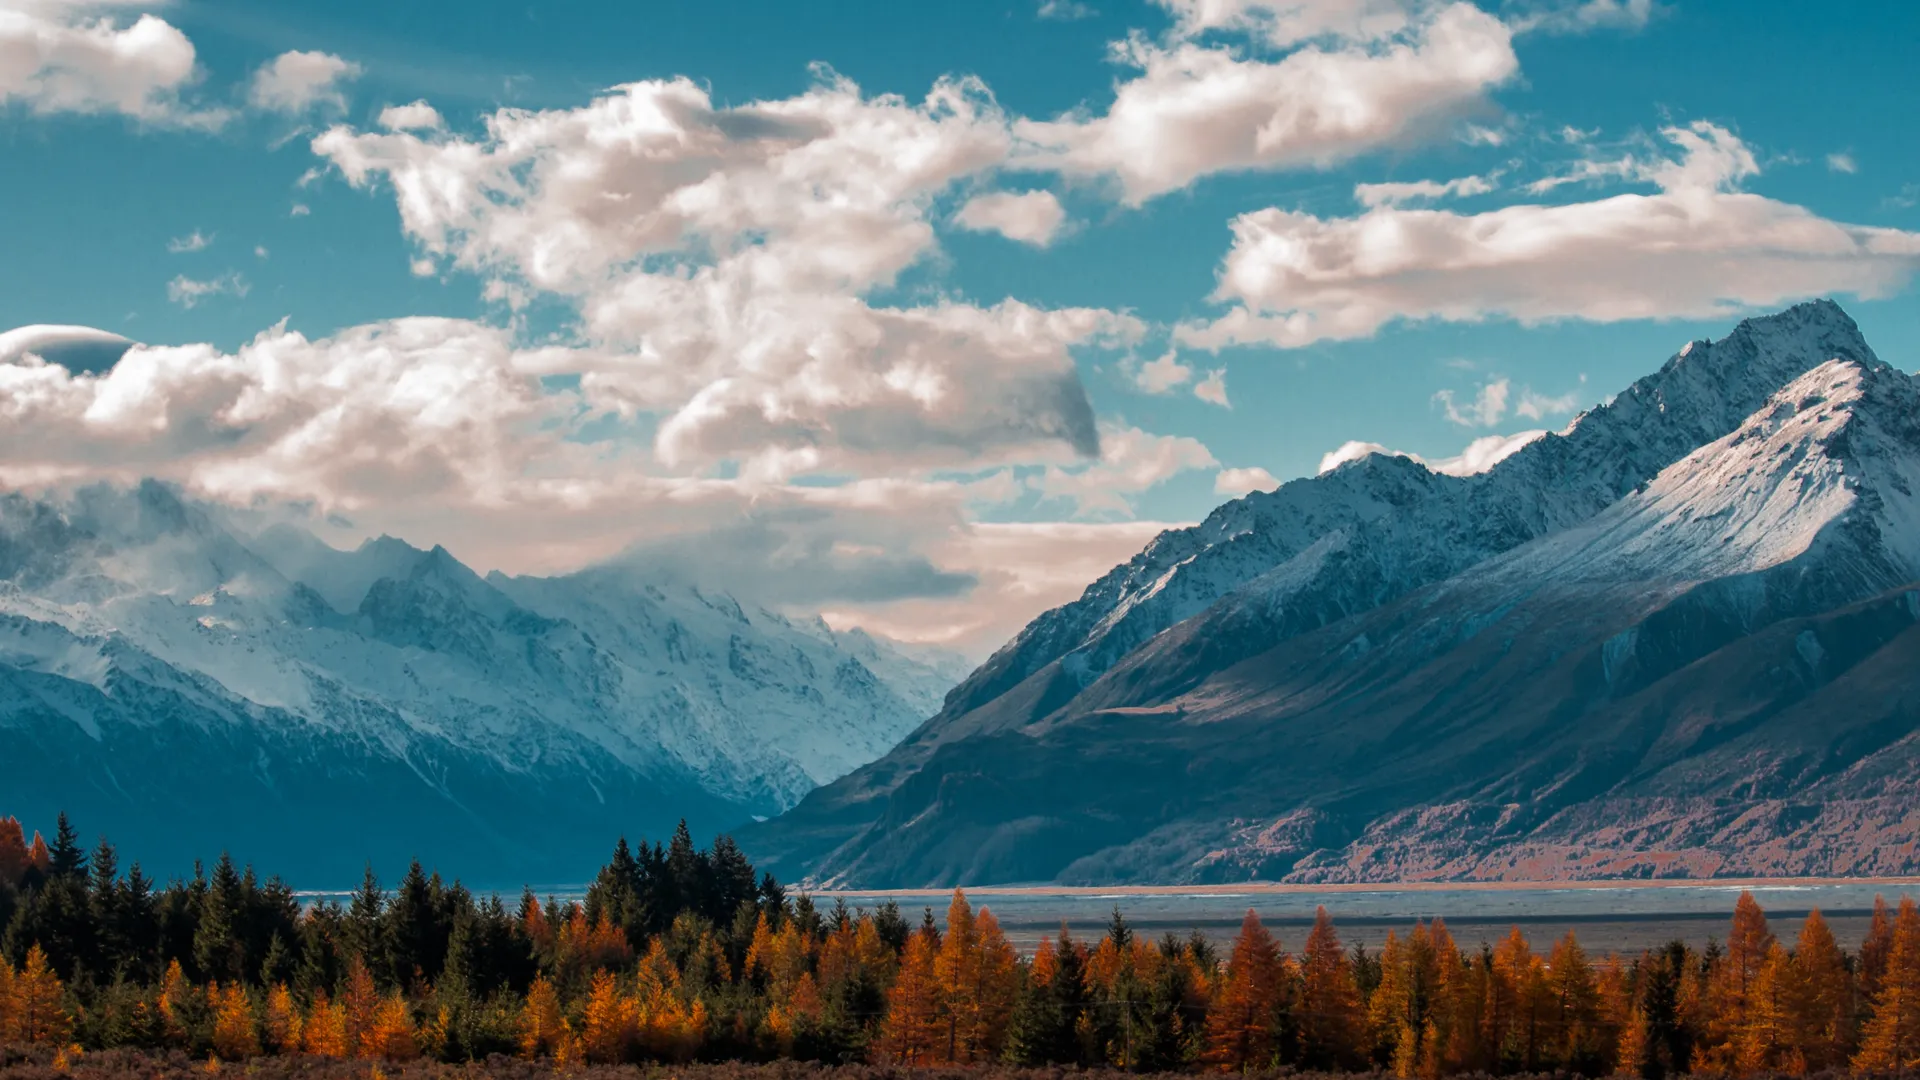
(683, 958)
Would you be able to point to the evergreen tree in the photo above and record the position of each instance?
(66, 860)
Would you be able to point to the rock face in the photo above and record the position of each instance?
(1676, 638)
(183, 684)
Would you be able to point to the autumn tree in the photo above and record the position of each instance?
(234, 1037)
(1731, 984)
(1330, 1016)
(35, 1009)
(1240, 1025)
(281, 1026)
(541, 1024)
(913, 1033)
(1891, 1041)
(1821, 1005)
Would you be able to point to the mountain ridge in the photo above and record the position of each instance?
(1339, 596)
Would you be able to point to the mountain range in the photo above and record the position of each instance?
(1675, 639)
(182, 681)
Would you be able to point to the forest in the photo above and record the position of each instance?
(682, 956)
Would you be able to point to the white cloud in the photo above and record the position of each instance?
(1031, 217)
(721, 259)
(62, 58)
(1400, 193)
(1581, 16)
(1486, 409)
(1064, 10)
(1022, 568)
(295, 82)
(1162, 374)
(1131, 461)
(1480, 455)
(193, 241)
(1238, 482)
(1286, 22)
(190, 292)
(415, 116)
(1534, 406)
(1196, 109)
(1699, 247)
(1213, 388)
(300, 210)
(259, 251)
(1842, 163)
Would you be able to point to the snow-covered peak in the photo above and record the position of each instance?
(1423, 525)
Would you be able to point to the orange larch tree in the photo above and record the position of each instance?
(913, 1033)
(234, 1037)
(1891, 1042)
(1240, 1026)
(1822, 1007)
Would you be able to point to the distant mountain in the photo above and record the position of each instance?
(183, 684)
(1674, 639)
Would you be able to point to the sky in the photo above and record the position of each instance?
(919, 315)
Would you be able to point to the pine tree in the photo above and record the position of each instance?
(66, 859)
(1891, 1041)
(1575, 999)
(1822, 1005)
(1330, 1015)
(1730, 988)
(1875, 949)
(38, 1015)
(541, 1024)
(610, 1023)
(324, 1033)
(282, 1023)
(1241, 1022)
(234, 1038)
(913, 1034)
(390, 1035)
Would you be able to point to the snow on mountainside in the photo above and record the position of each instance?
(1276, 564)
(1382, 672)
(406, 654)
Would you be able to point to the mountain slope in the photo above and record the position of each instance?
(1278, 564)
(146, 628)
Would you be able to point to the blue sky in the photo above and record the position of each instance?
(965, 298)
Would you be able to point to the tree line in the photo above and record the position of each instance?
(678, 954)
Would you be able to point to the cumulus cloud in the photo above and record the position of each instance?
(1021, 568)
(1031, 217)
(1536, 406)
(1163, 373)
(415, 116)
(1697, 247)
(190, 292)
(721, 260)
(1213, 388)
(61, 58)
(1401, 193)
(193, 241)
(1479, 455)
(1131, 461)
(1238, 482)
(295, 82)
(1485, 409)
(1196, 109)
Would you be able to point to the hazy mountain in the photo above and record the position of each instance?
(183, 684)
(1630, 648)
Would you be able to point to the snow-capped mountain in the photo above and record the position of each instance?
(1336, 679)
(621, 701)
